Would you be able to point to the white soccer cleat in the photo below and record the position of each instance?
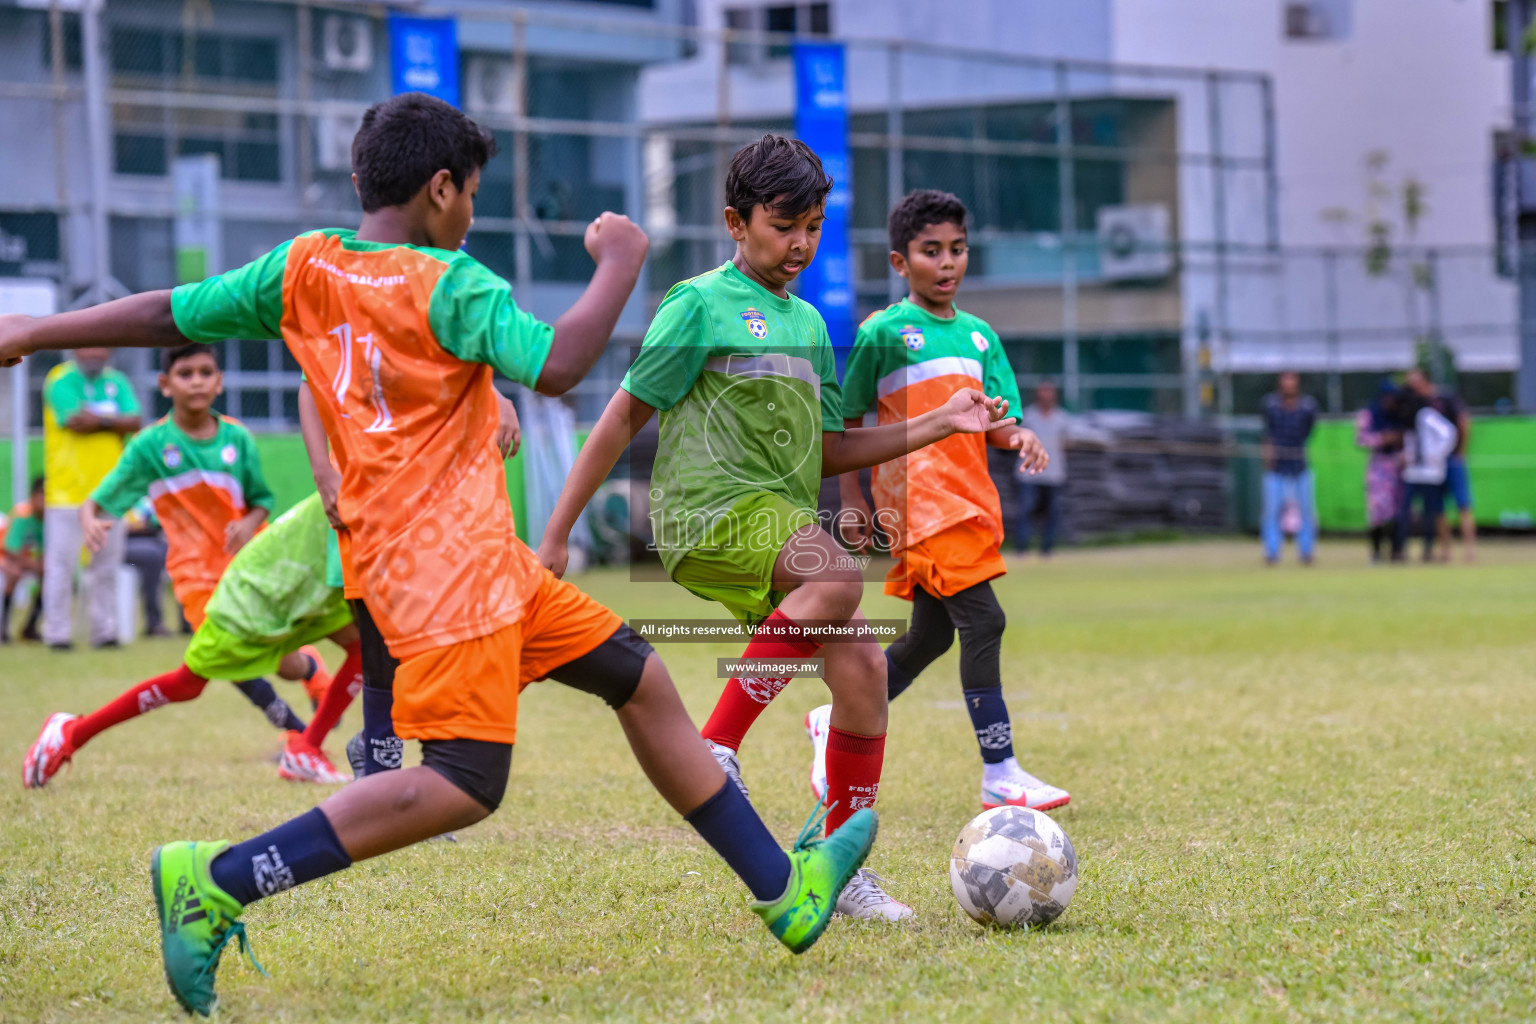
(726, 758)
(818, 724)
(862, 898)
(303, 762)
(48, 753)
(1009, 785)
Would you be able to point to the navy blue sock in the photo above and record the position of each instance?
(295, 852)
(384, 748)
(989, 717)
(727, 822)
(260, 693)
(896, 678)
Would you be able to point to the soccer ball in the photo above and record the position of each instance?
(1013, 867)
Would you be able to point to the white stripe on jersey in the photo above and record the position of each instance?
(928, 369)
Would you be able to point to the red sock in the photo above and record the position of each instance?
(745, 698)
(182, 684)
(853, 773)
(344, 686)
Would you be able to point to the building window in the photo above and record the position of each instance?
(146, 139)
(1317, 20)
(71, 42)
(801, 19)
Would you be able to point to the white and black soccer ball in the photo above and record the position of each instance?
(1013, 867)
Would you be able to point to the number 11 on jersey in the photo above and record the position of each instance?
(383, 419)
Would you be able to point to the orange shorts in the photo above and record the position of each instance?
(192, 606)
(948, 562)
(469, 690)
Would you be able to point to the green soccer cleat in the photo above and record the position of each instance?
(197, 920)
(819, 869)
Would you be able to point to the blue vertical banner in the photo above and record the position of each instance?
(424, 56)
(821, 121)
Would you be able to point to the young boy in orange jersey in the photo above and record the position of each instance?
(751, 420)
(21, 555)
(203, 477)
(939, 504)
(398, 331)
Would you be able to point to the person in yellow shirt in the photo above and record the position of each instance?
(88, 409)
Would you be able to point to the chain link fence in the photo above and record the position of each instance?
(1125, 234)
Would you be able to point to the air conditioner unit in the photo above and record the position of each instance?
(333, 141)
(1305, 21)
(490, 86)
(346, 42)
(1134, 242)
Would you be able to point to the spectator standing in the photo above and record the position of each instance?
(1458, 483)
(88, 409)
(1427, 448)
(1379, 430)
(145, 550)
(1042, 492)
(1289, 417)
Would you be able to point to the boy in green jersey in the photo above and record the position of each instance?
(751, 420)
(273, 599)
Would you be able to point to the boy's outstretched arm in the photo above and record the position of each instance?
(618, 245)
(618, 425)
(317, 447)
(968, 411)
(137, 321)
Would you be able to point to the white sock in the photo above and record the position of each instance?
(1005, 769)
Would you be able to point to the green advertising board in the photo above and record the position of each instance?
(1501, 457)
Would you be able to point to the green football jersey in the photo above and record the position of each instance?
(277, 582)
(746, 383)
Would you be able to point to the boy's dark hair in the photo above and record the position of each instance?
(171, 356)
(920, 208)
(778, 173)
(408, 138)
(37, 484)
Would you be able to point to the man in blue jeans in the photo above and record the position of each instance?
(1289, 417)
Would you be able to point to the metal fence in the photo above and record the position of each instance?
(1125, 233)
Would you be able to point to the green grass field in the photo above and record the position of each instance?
(1298, 795)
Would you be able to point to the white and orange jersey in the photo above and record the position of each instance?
(906, 362)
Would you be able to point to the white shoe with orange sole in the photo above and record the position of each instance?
(1008, 785)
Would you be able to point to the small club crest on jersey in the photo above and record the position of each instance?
(171, 456)
(912, 337)
(757, 326)
(228, 454)
(980, 341)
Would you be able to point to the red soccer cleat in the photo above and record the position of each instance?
(49, 752)
(302, 761)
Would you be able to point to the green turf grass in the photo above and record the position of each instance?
(1298, 795)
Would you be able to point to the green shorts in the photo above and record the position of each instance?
(216, 653)
(733, 565)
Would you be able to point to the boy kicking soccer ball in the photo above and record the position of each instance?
(400, 332)
(272, 599)
(939, 504)
(751, 420)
